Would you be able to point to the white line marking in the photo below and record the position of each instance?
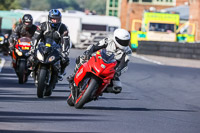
(146, 59)
(2, 63)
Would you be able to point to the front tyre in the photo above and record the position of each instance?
(41, 82)
(22, 72)
(70, 100)
(85, 95)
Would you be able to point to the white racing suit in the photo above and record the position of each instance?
(122, 57)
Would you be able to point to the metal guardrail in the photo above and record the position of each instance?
(87, 38)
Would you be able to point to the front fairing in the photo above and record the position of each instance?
(48, 54)
(100, 68)
(22, 47)
(96, 66)
(21, 53)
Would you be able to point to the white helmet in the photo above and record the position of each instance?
(121, 38)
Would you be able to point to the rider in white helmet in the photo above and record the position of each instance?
(119, 45)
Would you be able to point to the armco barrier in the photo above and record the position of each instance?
(169, 49)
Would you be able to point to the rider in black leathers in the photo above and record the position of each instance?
(53, 28)
(24, 29)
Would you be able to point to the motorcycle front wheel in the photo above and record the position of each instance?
(85, 95)
(70, 100)
(22, 72)
(41, 82)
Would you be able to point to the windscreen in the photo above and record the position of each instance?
(160, 27)
(25, 39)
(107, 56)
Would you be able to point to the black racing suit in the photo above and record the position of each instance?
(21, 31)
(59, 35)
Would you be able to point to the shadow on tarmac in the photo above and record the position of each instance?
(136, 109)
(24, 131)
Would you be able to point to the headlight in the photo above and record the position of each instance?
(51, 58)
(39, 56)
(18, 52)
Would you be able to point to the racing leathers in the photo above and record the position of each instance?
(59, 34)
(122, 57)
(21, 31)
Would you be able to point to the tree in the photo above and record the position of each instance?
(97, 5)
(9, 4)
(40, 5)
(94, 5)
(25, 4)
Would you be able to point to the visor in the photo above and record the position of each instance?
(122, 42)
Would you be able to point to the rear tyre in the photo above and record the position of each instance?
(85, 95)
(22, 72)
(41, 83)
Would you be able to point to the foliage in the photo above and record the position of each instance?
(98, 5)
(9, 4)
(40, 5)
(94, 5)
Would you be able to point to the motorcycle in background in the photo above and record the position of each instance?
(20, 55)
(1, 42)
(4, 44)
(6, 49)
(47, 67)
(92, 78)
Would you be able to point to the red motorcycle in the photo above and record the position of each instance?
(92, 78)
(19, 58)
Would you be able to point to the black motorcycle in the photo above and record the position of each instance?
(47, 66)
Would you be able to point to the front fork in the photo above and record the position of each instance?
(73, 89)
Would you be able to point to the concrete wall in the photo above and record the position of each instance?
(170, 49)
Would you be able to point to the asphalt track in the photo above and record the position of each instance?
(155, 99)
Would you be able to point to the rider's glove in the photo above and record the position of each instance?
(11, 47)
(64, 57)
(86, 55)
(117, 73)
(32, 50)
(15, 38)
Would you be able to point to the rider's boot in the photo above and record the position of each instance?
(114, 87)
(70, 78)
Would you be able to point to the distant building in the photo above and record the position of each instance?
(195, 16)
(127, 10)
(113, 8)
(9, 18)
(133, 9)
